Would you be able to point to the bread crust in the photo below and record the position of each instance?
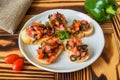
(87, 33)
(25, 38)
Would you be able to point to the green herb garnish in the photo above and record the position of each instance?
(74, 21)
(62, 34)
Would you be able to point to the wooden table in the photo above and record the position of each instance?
(106, 67)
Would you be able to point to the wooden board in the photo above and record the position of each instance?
(106, 67)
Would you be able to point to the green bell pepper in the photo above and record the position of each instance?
(101, 10)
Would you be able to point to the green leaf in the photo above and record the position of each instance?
(62, 34)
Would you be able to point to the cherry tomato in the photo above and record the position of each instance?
(18, 65)
(11, 58)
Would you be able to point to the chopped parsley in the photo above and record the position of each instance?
(62, 34)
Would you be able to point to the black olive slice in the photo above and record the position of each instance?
(85, 45)
(35, 35)
(59, 44)
(79, 47)
(77, 32)
(50, 31)
(58, 13)
(39, 47)
(82, 27)
(49, 16)
(32, 28)
(46, 55)
(55, 26)
(49, 28)
(43, 26)
(73, 58)
(82, 48)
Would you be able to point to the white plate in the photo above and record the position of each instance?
(63, 64)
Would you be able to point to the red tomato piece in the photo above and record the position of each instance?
(41, 56)
(11, 58)
(48, 60)
(35, 24)
(18, 65)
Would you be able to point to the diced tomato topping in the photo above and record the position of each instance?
(50, 54)
(78, 43)
(61, 27)
(58, 20)
(53, 16)
(39, 51)
(46, 36)
(47, 48)
(48, 60)
(34, 32)
(71, 42)
(35, 24)
(87, 26)
(77, 53)
(53, 57)
(52, 41)
(84, 22)
(56, 39)
(83, 54)
(76, 25)
(78, 21)
(77, 28)
(41, 55)
(74, 50)
(62, 16)
(79, 25)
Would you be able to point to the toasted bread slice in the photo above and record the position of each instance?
(43, 61)
(29, 40)
(71, 53)
(50, 50)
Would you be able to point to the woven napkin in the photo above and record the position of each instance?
(11, 13)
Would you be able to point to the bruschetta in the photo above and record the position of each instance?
(49, 51)
(77, 51)
(57, 20)
(81, 28)
(36, 33)
(31, 34)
